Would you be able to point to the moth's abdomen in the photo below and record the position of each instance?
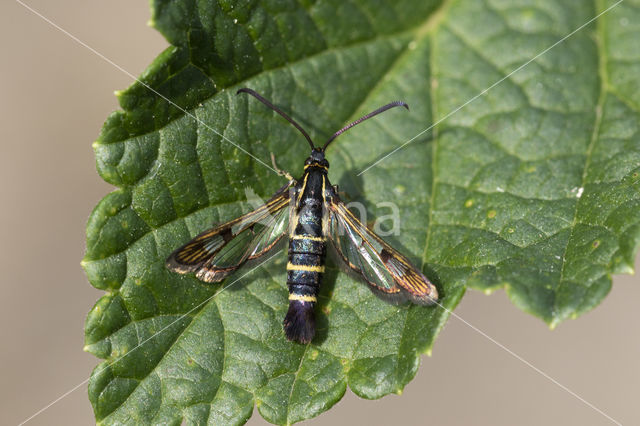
(306, 260)
(304, 273)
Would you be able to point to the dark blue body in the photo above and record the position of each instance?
(307, 249)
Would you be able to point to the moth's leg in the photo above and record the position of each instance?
(342, 194)
(278, 171)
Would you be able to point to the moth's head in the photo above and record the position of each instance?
(316, 159)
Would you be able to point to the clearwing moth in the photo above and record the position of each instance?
(309, 211)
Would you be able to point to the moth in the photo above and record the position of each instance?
(311, 214)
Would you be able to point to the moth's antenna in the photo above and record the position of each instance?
(361, 119)
(276, 109)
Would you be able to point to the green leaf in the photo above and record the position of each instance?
(533, 186)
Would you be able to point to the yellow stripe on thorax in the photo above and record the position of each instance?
(309, 268)
(304, 186)
(302, 297)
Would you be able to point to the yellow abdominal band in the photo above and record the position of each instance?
(292, 267)
(307, 237)
(302, 297)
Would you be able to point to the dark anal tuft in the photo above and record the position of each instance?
(300, 323)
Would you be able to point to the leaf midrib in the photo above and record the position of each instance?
(604, 83)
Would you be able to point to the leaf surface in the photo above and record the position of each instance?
(533, 186)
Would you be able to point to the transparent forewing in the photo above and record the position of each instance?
(217, 252)
(366, 254)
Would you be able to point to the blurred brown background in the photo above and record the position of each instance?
(54, 96)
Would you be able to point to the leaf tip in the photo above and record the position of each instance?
(625, 268)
